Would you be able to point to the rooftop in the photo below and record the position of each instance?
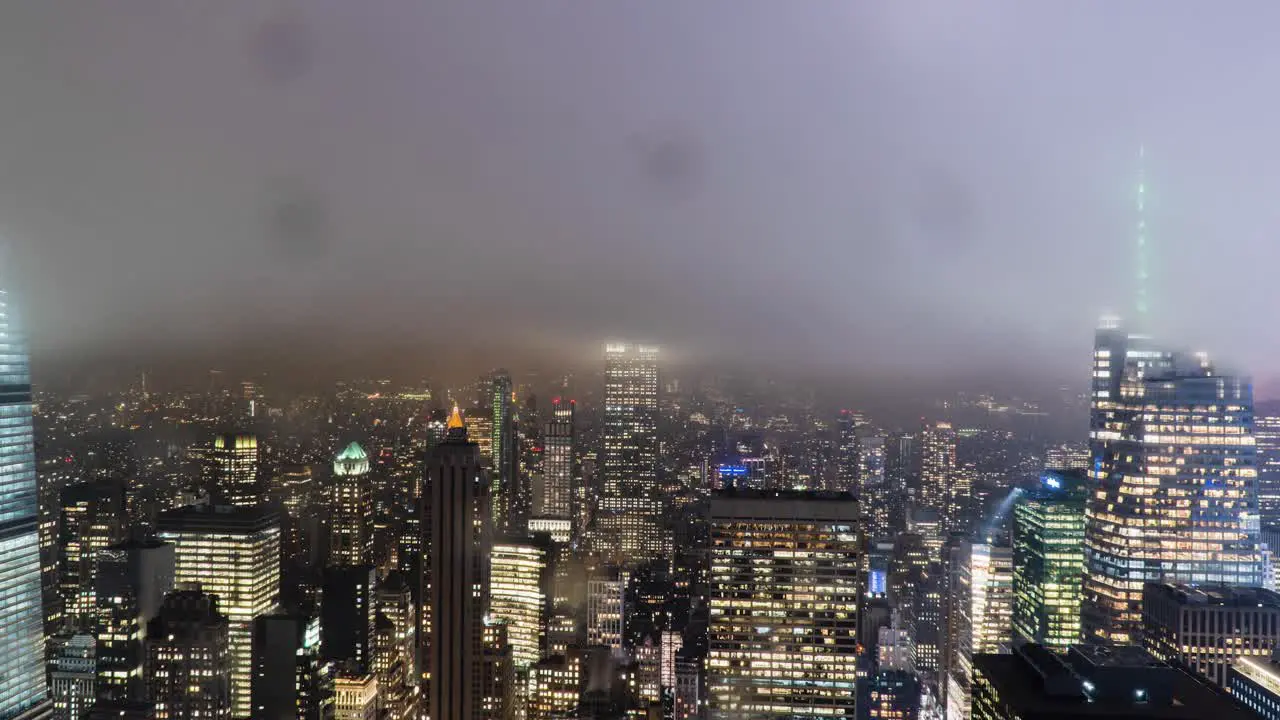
(1219, 595)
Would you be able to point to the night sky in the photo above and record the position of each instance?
(894, 187)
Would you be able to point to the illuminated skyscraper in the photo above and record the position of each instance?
(351, 509)
(516, 579)
(937, 473)
(1207, 628)
(1268, 434)
(1048, 560)
(629, 522)
(189, 663)
(234, 465)
(457, 575)
(395, 651)
(980, 617)
(71, 682)
(553, 503)
(234, 554)
(21, 623)
(93, 517)
(783, 604)
(1174, 480)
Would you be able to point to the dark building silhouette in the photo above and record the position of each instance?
(456, 574)
(188, 668)
(133, 578)
(290, 680)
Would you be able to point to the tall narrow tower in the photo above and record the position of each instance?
(456, 577)
(21, 626)
(629, 519)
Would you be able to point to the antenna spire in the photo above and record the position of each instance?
(1143, 269)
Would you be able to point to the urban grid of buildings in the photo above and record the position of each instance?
(639, 545)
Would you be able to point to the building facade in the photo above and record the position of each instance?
(783, 605)
(1174, 480)
(1206, 628)
(189, 661)
(1048, 560)
(233, 552)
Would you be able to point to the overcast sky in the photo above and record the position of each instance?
(918, 185)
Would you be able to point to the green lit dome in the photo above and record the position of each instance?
(351, 461)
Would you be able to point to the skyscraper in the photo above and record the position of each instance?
(1174, 480)
(133, 578)
(21, 624)
(290, 681)
(457, 574)
(93, 517)
(234, 466)
(1268, 434)
(351, 509)
(505, 474)
(1208, 628)
(1048, 560)
(233, 552)
(937, 473)
(347, 616)
(71, 682)
(189, 662)
(553, 503)
(980, 615)
(516, 581)
(783, 605)
(847, 475)
(629, 519)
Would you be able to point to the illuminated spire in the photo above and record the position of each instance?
(455, 420)
(1142, 265)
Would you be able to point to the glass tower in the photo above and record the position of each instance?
(1173, 480)
(1048, 560)
(1268, 434)
(22, 672)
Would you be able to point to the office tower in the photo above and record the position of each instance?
(296, 492)
(93, 517)
(1206, 628)
(290, 681)
(1067, 456)
(347, 615)
(351, 509)
(497, 677)
(1120, 683)
(980, 616)
(937, 474)
(553, 504)
(507, 495)
(629, 519)
(518, 573)
(927, 525)
(233, 462)
(847, 462)
(21, 624)
(234, 553)
(894, 695)
(554, 686)
(189, 661)
(606, 606)
(1174, 468)
(71, 683)
(355, 696)
(1255, 682)
(456, 575)
(1048, 560)
(783, 604)
(1267, 430)
(395, 647)
(133, 578)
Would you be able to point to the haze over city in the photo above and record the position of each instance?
(875, 188)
